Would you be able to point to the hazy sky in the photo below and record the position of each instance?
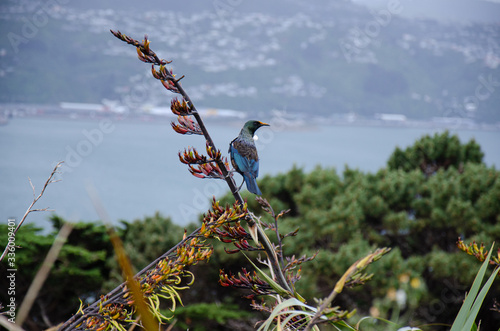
(444, 10)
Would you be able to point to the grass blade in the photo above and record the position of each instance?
(465, 310)
(479, 301)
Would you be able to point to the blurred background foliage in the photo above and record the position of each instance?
(428, 195)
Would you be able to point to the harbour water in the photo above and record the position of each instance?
(134, 166)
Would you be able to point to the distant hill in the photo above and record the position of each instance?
(322, 58)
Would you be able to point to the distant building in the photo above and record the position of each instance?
(75, 106)
(106, 106)
(454, 121)
(160, 111)
(391, 117)
(227, 113)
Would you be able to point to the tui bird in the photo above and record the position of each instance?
(244, 155)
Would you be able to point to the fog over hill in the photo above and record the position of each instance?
(458, 11)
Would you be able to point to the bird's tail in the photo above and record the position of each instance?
(252, 185)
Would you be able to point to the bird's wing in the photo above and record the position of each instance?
(245, 156)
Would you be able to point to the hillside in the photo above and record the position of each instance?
(324, 59)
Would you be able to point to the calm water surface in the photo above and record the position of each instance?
(135, 168)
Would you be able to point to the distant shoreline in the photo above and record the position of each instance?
(294, 123)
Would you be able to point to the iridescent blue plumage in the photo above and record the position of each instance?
(244, 155)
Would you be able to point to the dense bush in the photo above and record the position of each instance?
(77, 274)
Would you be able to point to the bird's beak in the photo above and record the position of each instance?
(263, 124)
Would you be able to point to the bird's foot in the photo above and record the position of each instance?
(239, 188)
